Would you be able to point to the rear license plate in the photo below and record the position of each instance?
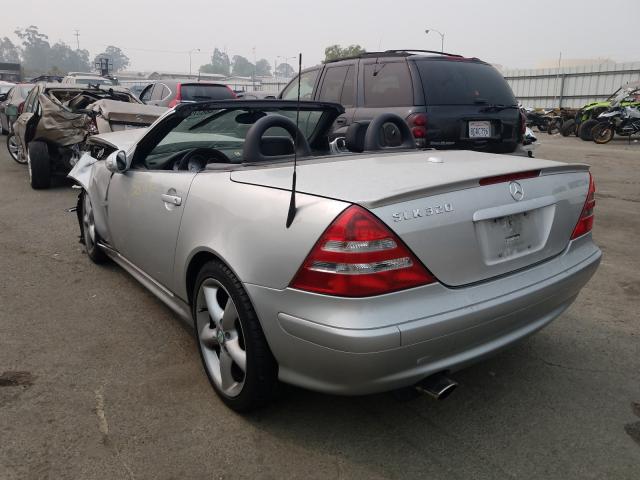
(479, 129)
(515, 235)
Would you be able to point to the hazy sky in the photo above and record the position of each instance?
(157, 34)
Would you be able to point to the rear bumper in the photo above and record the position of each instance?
(361, 346)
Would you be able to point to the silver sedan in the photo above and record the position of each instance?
(369, 272)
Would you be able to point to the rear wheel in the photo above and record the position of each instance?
(568, 128)
(39, 164)
(233, 348)
(585, 129)
(14, 149)
(602, 133)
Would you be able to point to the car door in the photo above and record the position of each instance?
(338, 85)
(145, 206)
(25, 124)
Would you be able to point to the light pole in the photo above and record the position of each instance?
(441, 37)
(190, 52)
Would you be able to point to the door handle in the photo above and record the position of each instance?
(172, 199)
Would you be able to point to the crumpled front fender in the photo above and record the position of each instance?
(81, 171)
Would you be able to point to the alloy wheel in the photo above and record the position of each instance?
(221, 338)
(88, 223)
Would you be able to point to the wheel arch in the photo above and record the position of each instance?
(194, 265)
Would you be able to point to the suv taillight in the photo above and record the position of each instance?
(233, 94)
(358, 256)
(418, 124)
(585, 222)
(20, 108)
(523, 124)
(178, 98)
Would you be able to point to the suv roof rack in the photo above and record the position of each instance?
(409, 50)
(404, 52)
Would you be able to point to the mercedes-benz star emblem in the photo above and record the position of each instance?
(516, 191)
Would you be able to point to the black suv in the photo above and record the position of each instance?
(448, 101)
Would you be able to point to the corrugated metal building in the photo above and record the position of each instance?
(570, 87)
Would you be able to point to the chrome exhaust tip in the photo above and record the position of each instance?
(438, 386)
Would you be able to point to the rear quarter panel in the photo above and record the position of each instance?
(244, 225)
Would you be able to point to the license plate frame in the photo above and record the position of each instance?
(479, 129)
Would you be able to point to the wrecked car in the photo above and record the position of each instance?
(56, 120)
(343, 277)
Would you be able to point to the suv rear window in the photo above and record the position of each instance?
(199, 92)
(463, 83)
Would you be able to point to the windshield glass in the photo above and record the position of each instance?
(202, 92)
(463, 83)
(225, 130)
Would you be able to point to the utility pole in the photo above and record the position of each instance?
(77, 35)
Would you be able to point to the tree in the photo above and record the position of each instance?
(35, 49)
(116, 56)
(285, 70)
(263, 68)
(8, 51)
(63, 58)
(335, 52)
(242, 67)
(220, 64)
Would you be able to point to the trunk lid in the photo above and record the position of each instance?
(462, 231)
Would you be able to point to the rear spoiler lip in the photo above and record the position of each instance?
(462, 185)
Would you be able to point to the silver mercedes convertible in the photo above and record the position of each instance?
(376, 267)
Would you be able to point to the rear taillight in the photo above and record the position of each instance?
(178, 98)
(233, 94)
(585, 222)
(358, 256)
(20, 107)
(418, 124)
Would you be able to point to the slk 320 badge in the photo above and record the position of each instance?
(422, 212)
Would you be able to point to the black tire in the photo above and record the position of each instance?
(586, 128)
(39, 165)
(568, 128)
(261, 377)
(88, 233)
(603, 133)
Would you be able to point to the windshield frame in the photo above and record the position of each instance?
(317, 140)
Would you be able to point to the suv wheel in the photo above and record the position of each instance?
(39, 164)
(233, 348)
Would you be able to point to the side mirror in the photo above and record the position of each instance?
(117, 162)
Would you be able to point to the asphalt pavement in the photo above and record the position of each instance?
(99, 380)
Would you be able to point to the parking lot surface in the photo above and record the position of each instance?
(99, 380)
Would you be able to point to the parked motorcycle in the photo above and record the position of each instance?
(623, 121)
(538, 119)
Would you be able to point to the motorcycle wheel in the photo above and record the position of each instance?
(602, 134)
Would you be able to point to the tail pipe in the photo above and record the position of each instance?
(438, 386)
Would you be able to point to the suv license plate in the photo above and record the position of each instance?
(479, 129)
